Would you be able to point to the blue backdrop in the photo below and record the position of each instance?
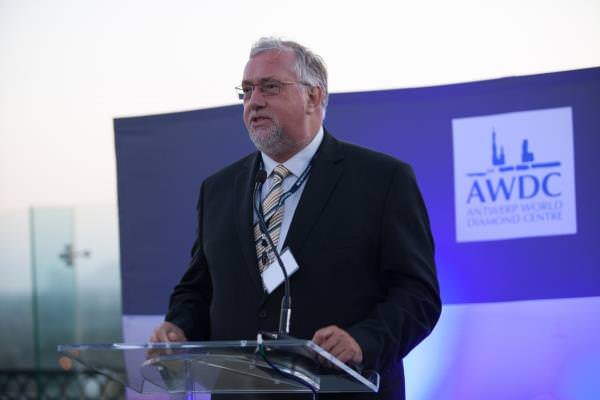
(162, 159)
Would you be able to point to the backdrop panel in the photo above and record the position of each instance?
(162, 159)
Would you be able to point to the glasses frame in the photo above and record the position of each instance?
(265, 92)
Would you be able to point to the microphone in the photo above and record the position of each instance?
(261, 178)
(286, 302)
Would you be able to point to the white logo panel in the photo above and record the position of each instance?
(514, 175)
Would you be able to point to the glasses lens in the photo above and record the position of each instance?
(243, 91)
(271, 87)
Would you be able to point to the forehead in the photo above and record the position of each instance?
(277, 64)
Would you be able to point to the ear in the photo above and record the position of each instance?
(313, 99)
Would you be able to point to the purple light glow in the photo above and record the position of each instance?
(539, 349)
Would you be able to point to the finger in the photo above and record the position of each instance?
(338, 350)
(347, 355)
(163, 334)
(176, 336)
(325, 334)
(322, 334)
(333, 341)
(345, 350)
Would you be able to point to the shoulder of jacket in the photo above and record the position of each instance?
(368, 158)
(228, 173)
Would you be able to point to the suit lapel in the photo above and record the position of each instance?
(244, 186)
(324, 176)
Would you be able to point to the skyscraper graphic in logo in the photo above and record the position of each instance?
(514, 175)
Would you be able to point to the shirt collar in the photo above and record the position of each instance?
(300, 160)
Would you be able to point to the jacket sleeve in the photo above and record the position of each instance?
(190, 301)
(412, 303)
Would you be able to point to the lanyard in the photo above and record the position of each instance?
(299, 182)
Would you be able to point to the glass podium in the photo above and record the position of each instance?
(280, 366)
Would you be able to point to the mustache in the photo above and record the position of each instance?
(256, 114)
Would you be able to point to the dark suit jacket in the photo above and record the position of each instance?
(362, 240)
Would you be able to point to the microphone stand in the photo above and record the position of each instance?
(285, 313)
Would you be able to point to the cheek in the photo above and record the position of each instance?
(292, 119)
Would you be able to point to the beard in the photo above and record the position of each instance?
(271, 139)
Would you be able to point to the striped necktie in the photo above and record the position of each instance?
(273, 216)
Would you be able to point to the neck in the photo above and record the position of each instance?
(294, 149)
(284, 156)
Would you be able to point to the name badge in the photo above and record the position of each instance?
(272, 276)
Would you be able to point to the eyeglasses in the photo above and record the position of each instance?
(271, 87)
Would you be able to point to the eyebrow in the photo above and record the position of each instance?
(266, 79)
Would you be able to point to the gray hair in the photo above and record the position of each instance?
(310, 67)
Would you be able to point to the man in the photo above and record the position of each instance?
(366, 288)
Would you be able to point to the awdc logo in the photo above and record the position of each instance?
(513, 175)
(502, 182)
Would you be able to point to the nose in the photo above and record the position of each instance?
(257, 99)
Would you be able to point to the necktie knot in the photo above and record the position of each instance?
(280, 172)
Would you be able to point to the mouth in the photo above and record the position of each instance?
(259, 120)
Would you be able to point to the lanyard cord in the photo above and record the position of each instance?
(299, 182)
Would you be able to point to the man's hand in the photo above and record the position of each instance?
(339, 343)
(168, 332)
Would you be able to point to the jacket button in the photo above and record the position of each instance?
(262, 314)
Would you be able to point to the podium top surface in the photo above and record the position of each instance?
(285, 365)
